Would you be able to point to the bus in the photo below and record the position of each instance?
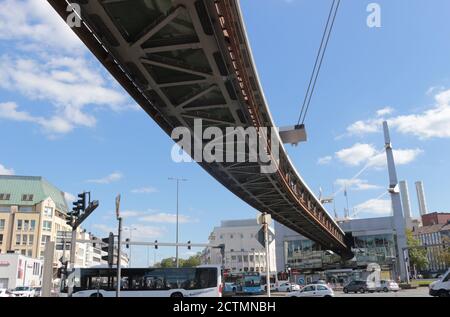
(201, 281)
(273, 282)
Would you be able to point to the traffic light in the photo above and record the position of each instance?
(69, 218)
(126, 243)
(108, 247)
(80, 205)
(189, 244)
(156, 244)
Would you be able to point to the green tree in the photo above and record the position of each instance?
(444, 256)
(417, 256)
(192, 261)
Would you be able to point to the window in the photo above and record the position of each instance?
(221, 237)
(26, 225)
(242, 236)
(1, 238)
(321, 288)
(5, 196)
(27, 197)
(233, 258)
(19, 224)
(30, 254)
(32, 225)
(25, 208)
(24, 239)
(2, 224)
(47, 225)
(17, 239)
(48, 211)
(45, 239)
(4, 209)
(30, 239)
(23, 252)
(310, 288)
(231, 236)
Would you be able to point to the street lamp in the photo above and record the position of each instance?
(178, 190)
(131, 234)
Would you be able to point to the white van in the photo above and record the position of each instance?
(441, 287)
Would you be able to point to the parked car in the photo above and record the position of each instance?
(288, 287)
(24, 291)
(388, 285)
(359, 286)
(313, 290)
(441, 287)
(6, 293)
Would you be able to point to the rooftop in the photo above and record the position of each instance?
(37, 186)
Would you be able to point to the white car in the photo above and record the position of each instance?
(388, 285)
(6, 293)
(441, 287)
(288, 287)
(24, 291)
(314, 290)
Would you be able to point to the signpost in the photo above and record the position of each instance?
(265, 219)
(119, 244)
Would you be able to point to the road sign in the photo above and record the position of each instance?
(260, 236)
(264, 218)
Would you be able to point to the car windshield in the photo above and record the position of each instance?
(21, 288)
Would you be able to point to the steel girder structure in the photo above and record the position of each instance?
(190, 59)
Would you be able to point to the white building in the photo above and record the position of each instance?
(243, 252)
(19, 270)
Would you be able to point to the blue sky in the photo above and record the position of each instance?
(63, 117)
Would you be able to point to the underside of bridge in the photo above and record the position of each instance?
(190, 59)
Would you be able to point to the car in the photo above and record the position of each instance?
(230, 288)
(358, 286)
(441, 287)
(24, 291)
(388, 285)
(323, 282)
(6, 293)
(288, 287)
(313, 290)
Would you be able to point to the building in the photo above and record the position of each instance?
(19, 270)
(435, 218)
(243, 252)
(374, 242)
(32, 211)
(434, 233)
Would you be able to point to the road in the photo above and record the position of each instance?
(418, 292)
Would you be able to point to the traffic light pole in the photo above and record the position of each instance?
(119, 255)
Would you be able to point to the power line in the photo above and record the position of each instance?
(319, 60)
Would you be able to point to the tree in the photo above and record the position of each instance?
(192, 261)
(417, 255)
(444, 256)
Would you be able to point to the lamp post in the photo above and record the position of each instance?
(178, 180)
(131, 235)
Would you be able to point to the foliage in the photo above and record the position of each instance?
(417, 256)
(171, 262)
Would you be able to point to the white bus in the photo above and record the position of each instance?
(202, 281)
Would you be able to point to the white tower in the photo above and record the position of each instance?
(421, 198)
(406, 204)
(399, 220)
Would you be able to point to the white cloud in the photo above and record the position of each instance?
(6, 171)
(167, 218)
(401, 157)
(378, 207)
(324, 160)
(36, 21)
(357, 154)
(113, 177)
(144, 190)
(360, 154)
(384, 111)
(431, 123)
(130, 213)
(104, 228)
(355, 184)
